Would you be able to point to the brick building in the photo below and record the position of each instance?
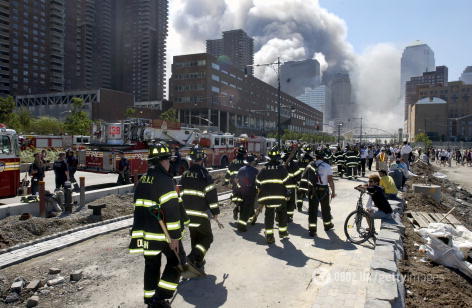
(210, 93)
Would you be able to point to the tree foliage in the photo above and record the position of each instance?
(423, 138)
(78, 121)
(304, 137)
(7, 105)
(47, 126)
(170, 115)
(130, 112)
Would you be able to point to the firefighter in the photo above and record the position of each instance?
(230, 178)
(123, 170)
(157, 215)
(304, 160)
(317, 180)
(352, 161)
(292, 168)
(199, 196)
(61, 171)
(72, 164)
(272, 184)
(246, 180)
(340, 158)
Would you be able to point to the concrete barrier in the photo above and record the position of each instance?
(433, 191)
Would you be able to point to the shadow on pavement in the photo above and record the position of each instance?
(333, 243)
(252, 234)
(298, 230)
(288, 253)
(204, 292)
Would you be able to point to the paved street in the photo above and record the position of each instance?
(90, 179)
(242, 270)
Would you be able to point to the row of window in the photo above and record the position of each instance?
(190, 63)
(194, 75)
(191, 87)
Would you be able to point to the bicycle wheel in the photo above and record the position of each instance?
(358, 227)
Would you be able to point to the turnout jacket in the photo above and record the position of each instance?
(303, 162)
(199, 195)
(340, 157)
(272, 184)
(232, 171)
(352, 159)
(155, 195)
(294, 173)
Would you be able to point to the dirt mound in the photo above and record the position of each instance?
(13, 231)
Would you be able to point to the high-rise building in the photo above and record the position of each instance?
(340, 106)
(317, 98)
(140, 45)
(88, 44)
(31, 46)
(296, 76)
(417, 58)
(466, 76)
(236, 46)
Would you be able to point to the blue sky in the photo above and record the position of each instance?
(445, 25)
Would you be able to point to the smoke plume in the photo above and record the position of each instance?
(292, 30)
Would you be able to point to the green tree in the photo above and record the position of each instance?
(423, 138)
(77, 122)
(7, 105)
(130, 112)
(25, 119)
(170, 115)
(47, 126)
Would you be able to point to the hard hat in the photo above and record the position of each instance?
(197, 154)
(159, 151)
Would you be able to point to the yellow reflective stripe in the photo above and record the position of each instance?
(273, 205)
(298, 171)
(154, 236)
(144, 203)
(209, 188)
(151, 252)
(213, 205)
(311, 167)
(138, 250)
(237, 199)
(327, 223)
(291, 186)
(242, 222)
(196, 213)
(137, 234)
(192, 225)
(193, 192)
(233, 172)
(290, 213)
(201, 248)
(166, 197)
(167, 285)
(187, 222)
(286, 179)
(149, 294)
(269, 231)
(276, 181)
(173, 225)
(312, 225)
(303, 189)
(282, 229)
(258, 182)
(271, 198)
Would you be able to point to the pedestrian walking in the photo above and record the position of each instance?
(271, 183)
(304, 160)
(352, 163)
(370, 157)
(123, 169)
(157, 228)
(292, 168)
(405, 153)
(364, 154)
(72, 164)
(383, 159)
(61, 171)
(230, 178)
(319, 184)
(199, 196)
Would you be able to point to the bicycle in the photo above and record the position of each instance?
(360, 222)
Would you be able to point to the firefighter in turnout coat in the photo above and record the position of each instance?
(158, 214)
(352, 163)
(246, 179)
(230, 178)
(272, 184)
(292, 168)
(317, 180)
(199, 196)
(303, 161)
(340, 158)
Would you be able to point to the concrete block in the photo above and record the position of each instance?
(383, 264)
(56, 281)
(33, 285)
(54, 270)
(389, 236)
(33, 301)
(433, 191)
(17, 286)
(76, 276)
(377, 303)
(382, 286)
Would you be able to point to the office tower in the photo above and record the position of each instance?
(296, 76)
(236, 47)
(31, 46)
(417, 58)
(466, 76)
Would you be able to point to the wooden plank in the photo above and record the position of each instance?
(419, 220)
(453, 219)
(426, 217)
(437, 217)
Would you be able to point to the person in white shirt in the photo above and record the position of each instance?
(363, 154)
(405, 153)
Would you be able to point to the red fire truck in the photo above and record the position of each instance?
(48, 142)
(9, 162)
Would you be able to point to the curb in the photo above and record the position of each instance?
(385, 287)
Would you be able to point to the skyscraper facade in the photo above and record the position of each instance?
(317, 98)
(31, 46)
(140, 44)
(417, 58)
(438, 77)
(466, 76)
(339, 106)
(237, 46)
(296, 76)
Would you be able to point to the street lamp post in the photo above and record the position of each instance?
(339, 133)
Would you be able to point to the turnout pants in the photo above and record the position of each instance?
(341, 170)
(319, 195)
(201, 238)
(370, 161)
(155, 285)
(291, 205)
(300, 197)
(246, 210)
(270, 216)
(351, 171)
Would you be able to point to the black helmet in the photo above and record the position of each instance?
(274, 153)
(241, 152)
(250, 158)
(159, 151)
(197, 154)
(307, 148)
(319, 154)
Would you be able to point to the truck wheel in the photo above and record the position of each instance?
(224, 162)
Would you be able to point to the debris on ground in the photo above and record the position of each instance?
(426, 282)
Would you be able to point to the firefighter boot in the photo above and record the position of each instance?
(328, 226)
(236, 213)
(159, 303)
(270, 238)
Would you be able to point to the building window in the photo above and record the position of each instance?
(215, 66)
(215, 77)
(215, 89)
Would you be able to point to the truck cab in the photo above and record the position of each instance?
(9, 163)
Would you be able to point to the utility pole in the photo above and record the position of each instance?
(360, 139)
(278, 104)
(339, 133)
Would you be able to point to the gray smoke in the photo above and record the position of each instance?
(291, 29)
